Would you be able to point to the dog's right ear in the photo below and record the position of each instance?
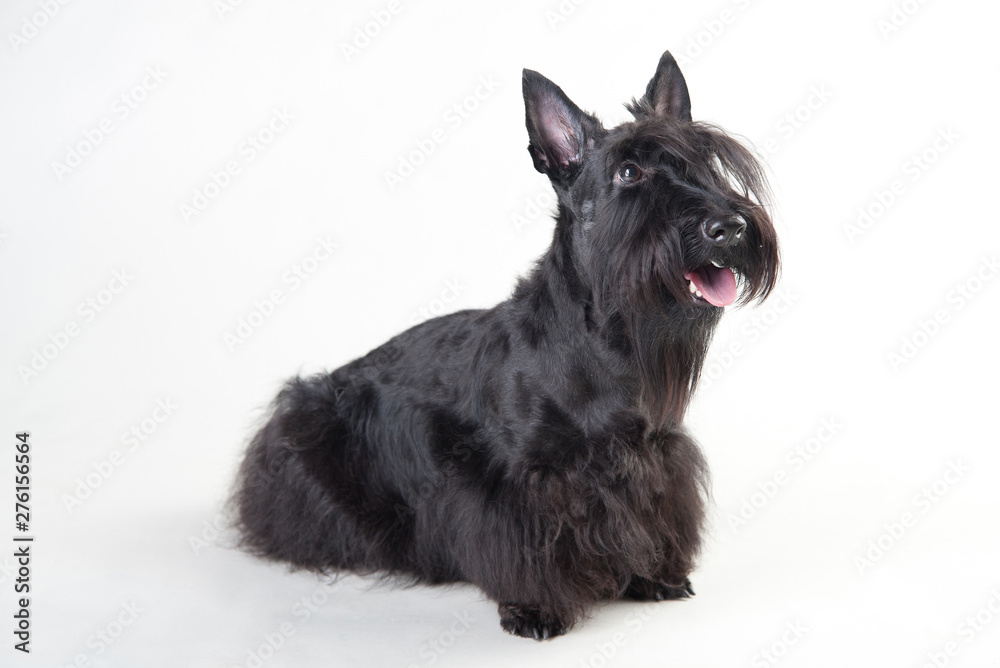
(558, 131)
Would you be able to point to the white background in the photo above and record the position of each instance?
(864, 102)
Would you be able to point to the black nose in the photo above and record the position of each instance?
(723, 233)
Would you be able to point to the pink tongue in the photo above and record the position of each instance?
(717, 284)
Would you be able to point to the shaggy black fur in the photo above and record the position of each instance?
(535, 448)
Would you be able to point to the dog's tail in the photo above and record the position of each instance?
(275, 496)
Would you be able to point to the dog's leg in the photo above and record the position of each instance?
(303, 494)
(529, 621)
(641, 589)
(682, 515)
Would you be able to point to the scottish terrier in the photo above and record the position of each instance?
(535, 449)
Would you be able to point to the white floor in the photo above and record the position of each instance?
(173, 181)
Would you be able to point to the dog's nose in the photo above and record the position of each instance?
(723, 233)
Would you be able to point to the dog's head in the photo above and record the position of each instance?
(663, 220)
(663, 209)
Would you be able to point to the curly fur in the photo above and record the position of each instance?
(534, 449)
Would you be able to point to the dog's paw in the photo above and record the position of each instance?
(528, 621)
(641, 589)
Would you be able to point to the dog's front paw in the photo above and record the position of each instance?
(641, 589)
(528, 621)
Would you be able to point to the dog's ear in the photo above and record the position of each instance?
(667, 93)
(557, 129)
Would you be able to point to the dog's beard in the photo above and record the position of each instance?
(666, 342)
(669, 354)
(645, 293)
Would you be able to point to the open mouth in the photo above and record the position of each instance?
(713, 283)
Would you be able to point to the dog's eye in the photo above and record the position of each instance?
(629, 173)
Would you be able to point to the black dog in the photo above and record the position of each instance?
(535, 448)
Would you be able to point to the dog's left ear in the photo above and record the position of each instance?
(558, 131)
(667, 92)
